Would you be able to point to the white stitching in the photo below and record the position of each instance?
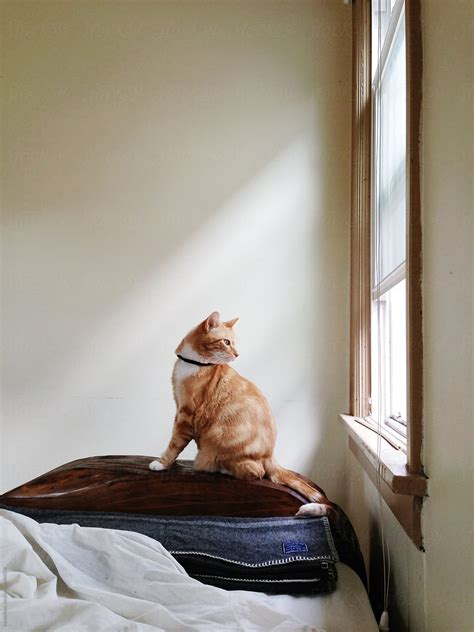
(286, 560)
(266, 581)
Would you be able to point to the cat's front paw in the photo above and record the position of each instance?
(157, 466)
(314, 510)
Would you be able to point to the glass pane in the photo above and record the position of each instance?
(382, 11)
(398, 351)
(389, 160)
(379, 353)
(389, 355)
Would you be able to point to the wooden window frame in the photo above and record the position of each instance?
(402, 481)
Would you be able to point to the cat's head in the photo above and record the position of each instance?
(211, 341)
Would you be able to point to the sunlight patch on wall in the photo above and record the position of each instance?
(253, 245)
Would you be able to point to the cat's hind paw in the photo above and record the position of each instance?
(312, 510)
(157, 466)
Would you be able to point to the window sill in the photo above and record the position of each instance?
(401, 490)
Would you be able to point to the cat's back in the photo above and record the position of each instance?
(244, 391)
(244, 383)
(221, 382)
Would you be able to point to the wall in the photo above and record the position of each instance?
(2, 92)
(432, 591)
(162, 160)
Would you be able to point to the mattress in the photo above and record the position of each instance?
(345, 610)
(72, 578)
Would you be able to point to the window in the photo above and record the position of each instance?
(386, 390)
(388, 404)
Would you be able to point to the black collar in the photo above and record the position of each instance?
(195, 362)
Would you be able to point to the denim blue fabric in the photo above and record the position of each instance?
(274, 555)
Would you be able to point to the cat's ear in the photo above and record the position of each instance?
(231, 323)
(212, 321)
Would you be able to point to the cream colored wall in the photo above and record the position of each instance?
(448, 322)
(2, 92)
(432, 591)
(162, 160)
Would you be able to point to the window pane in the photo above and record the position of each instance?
(382, 11)
(389, 376)
(389, 160)
(398, 352)
(379, 352)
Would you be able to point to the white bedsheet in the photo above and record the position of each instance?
(71, 578)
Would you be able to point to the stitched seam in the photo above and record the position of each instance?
(266, 581)
(286, 560)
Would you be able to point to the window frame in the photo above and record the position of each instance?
(401, 475)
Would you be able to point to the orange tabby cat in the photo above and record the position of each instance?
(225, 414)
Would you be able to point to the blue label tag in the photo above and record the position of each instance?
(295, 547)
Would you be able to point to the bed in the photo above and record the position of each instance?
(82, 549)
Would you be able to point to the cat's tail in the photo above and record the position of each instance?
(280, 475)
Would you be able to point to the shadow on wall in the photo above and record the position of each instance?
(376, 573)
(376, 593)
(363, 507)
(164, 183)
